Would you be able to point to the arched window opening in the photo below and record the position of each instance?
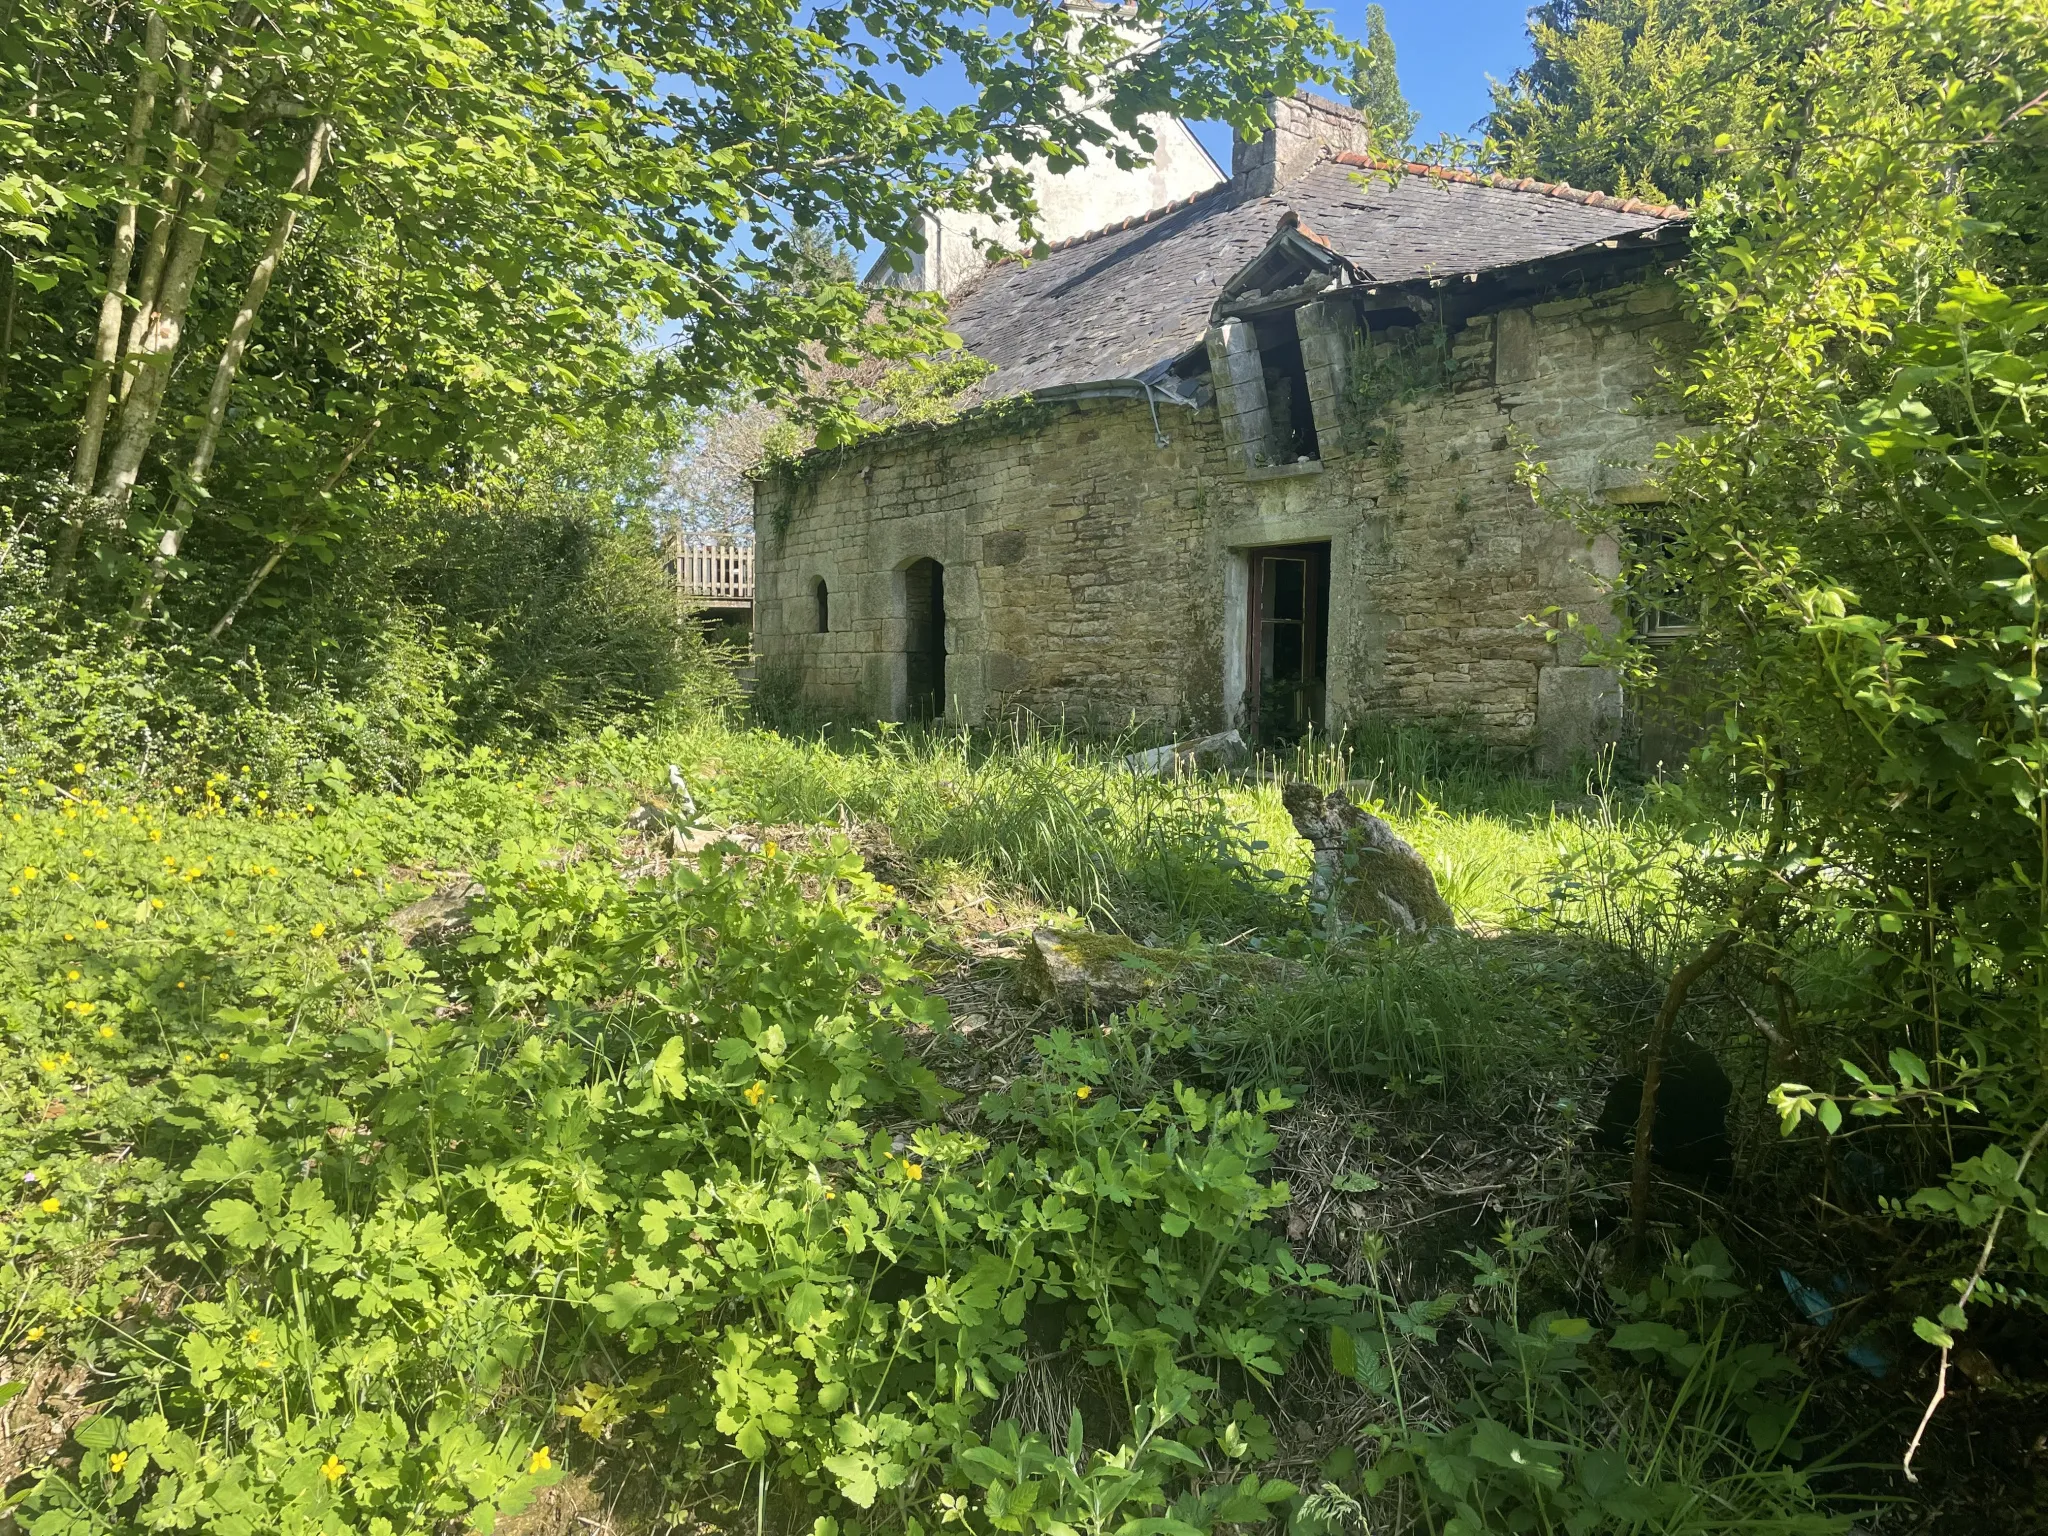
(823, 599)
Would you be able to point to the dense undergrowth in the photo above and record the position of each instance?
(660, 1172)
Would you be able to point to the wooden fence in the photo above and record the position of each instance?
(713, 572)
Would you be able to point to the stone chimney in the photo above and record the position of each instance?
(1305, 128)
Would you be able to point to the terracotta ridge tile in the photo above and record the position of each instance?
(1563, 191)
(1136, 219)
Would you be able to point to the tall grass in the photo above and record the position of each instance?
(1437, 1015)
(1059, 818)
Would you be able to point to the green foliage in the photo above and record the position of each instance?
(1649, 98)
(527, 602)
(656, 1149)
(1857, 527)
(1662, 1422)
(1378, 96)
(233, 302)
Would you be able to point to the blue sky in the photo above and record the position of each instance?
(1445, 49)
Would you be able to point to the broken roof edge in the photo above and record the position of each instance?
(1564, 191)
(1152, 386)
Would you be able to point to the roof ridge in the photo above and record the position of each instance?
(1557, 189)
(1562, 190)
(1140, 218)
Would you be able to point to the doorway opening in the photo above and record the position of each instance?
(924, 611)
(1289, 644)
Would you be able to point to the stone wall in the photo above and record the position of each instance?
(1094, 574)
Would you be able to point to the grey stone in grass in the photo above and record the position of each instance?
(1365, 869)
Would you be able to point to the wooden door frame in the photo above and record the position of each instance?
(1314, 614)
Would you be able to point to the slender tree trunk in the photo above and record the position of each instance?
(1675, 992)
(215, 415)
(107, 344)
(159, 348)
(7, 326)
(220, 625)
(169, 195)
(1769, 888)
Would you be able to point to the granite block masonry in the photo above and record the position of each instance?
(1335, 378)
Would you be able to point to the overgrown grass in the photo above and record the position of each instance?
(235, 1083)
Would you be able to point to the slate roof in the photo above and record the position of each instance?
(1123, 302)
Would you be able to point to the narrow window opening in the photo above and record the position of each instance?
(924, 595)
(1290, 414)
(1664, 609)
(1289, 640)
(823, 598)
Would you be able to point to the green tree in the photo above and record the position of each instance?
(1642, 98)
(1858, 522)
(256, 251)
(1379, 90)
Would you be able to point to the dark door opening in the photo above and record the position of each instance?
(1289, 641)
(924, 607)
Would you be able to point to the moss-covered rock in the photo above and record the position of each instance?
(1104, 972)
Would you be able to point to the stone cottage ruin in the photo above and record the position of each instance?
(1250, 460)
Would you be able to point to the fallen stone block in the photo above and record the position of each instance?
(1224, 750)
(1102, 973)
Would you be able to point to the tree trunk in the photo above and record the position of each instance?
(107, 344)
(7, 326)
(215, 415)
(169, 195)
(1763, 895)
(276, 557)
(1681, 983)
(159, 348)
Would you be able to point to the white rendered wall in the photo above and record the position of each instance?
(1087, 198)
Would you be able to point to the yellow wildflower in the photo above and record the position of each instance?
(35, 1335)
(318, 930)
(332, 1469)
(52, 1205)
(913, 1171)
(754, 1094)
(117, 1461)
(71, 975)
(223, 1054)
(254, 1335)
(106, 1031)
(539, 1461)
(1083, 1091)
(100, 923)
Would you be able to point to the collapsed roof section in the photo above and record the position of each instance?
(1122, 306)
